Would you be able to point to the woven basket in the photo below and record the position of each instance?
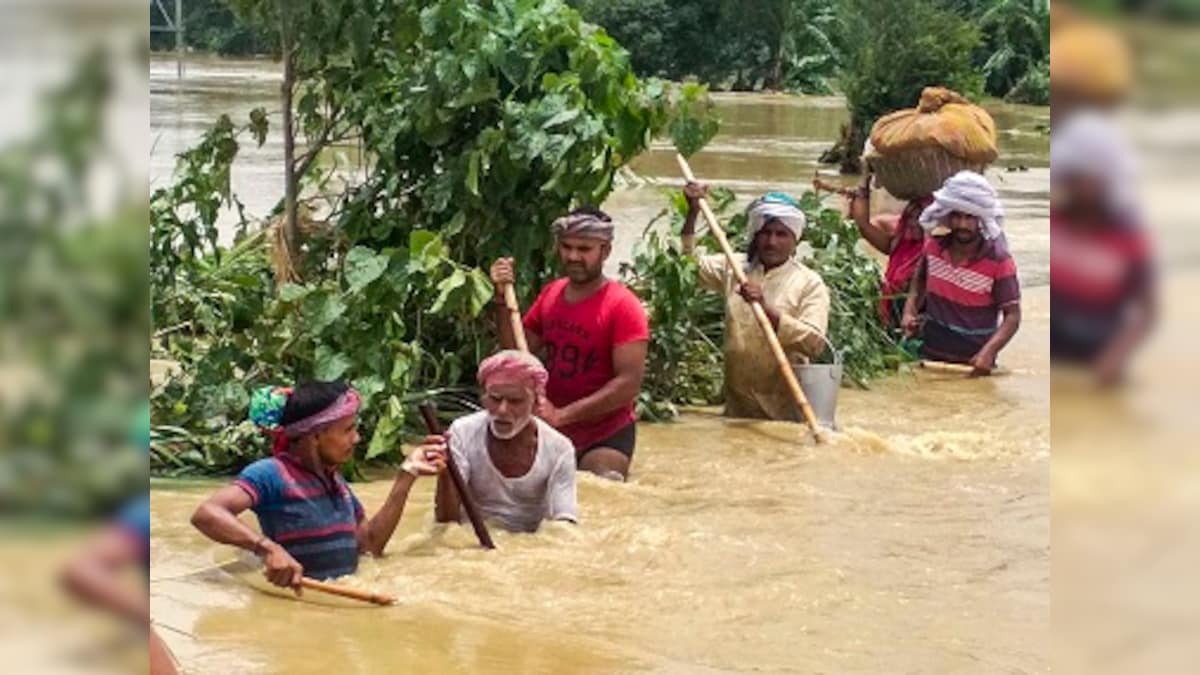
(912, 174)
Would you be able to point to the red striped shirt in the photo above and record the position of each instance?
(963, 300)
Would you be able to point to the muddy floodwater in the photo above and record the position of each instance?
(916, 541)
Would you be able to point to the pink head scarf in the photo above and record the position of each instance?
(342, 407)
(512, 364)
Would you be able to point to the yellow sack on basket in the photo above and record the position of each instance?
(914, 151)
(1090, 63)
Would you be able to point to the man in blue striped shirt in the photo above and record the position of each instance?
(312, 524)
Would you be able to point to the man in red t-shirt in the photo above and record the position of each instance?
(591, 332)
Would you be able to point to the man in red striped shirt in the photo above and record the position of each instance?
(966, 280)
(1103, 298)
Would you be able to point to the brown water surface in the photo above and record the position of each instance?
(916, 541)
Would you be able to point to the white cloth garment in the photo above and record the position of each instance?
(545, 492)
(1091, 144)
(776, 206)
(966, 192)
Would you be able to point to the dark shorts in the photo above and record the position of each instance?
(622, 441)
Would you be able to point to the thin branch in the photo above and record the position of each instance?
(320, 144)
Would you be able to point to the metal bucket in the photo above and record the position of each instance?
(821, 382)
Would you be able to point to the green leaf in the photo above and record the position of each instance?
(482, 291)
(385, 436)
(401, 367)
(234, 397)
(446, 288)
(426, 243)
(562, 118)
(323, 308)
(473, 174)
(330, 364)
(290, 292)
(368, 387)
(363, 266)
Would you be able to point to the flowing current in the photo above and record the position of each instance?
(918, 540)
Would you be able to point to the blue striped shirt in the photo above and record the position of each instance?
(314, 517)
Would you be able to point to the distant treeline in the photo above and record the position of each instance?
(741, 45)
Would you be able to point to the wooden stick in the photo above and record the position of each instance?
(464, 495)
(347, 592)
(514, 317)
(789, 376)
(819, 185)
(957, 368)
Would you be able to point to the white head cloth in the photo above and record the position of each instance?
(1092, 145)
(970, 193)
(776, 206)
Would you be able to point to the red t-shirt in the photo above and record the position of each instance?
(579, 340)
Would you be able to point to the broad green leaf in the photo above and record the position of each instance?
(330, 364)
(482, 291)
(562, 118)
(446, 288)
(385, 436)
(325, 308)
(290, 292)
(426, 243)
(368, 387)
(362, 266)
(401, 367)
(234, 396)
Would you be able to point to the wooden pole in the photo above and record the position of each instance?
(179, 39)
(819, 185)
(347, 592)
(291, 182)
(514, 317)
(464, 495)
(958, 368)
(785, 369)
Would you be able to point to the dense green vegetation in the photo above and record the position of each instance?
(730, 44)
(796, 45)
(878, 54)
(73, 295)
(212, 26)
(481, 126)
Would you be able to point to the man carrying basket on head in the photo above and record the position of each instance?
(911, 153)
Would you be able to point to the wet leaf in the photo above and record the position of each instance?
(362, 266)
(330, 365)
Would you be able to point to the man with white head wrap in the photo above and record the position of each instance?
(794, 297)
(1103, 299)
(520, 470)
(966, 280)
(592, 333)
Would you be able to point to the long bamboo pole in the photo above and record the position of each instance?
(785, 369)
(464, 495)
(514, 317)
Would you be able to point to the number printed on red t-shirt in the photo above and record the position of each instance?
(579, 340)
